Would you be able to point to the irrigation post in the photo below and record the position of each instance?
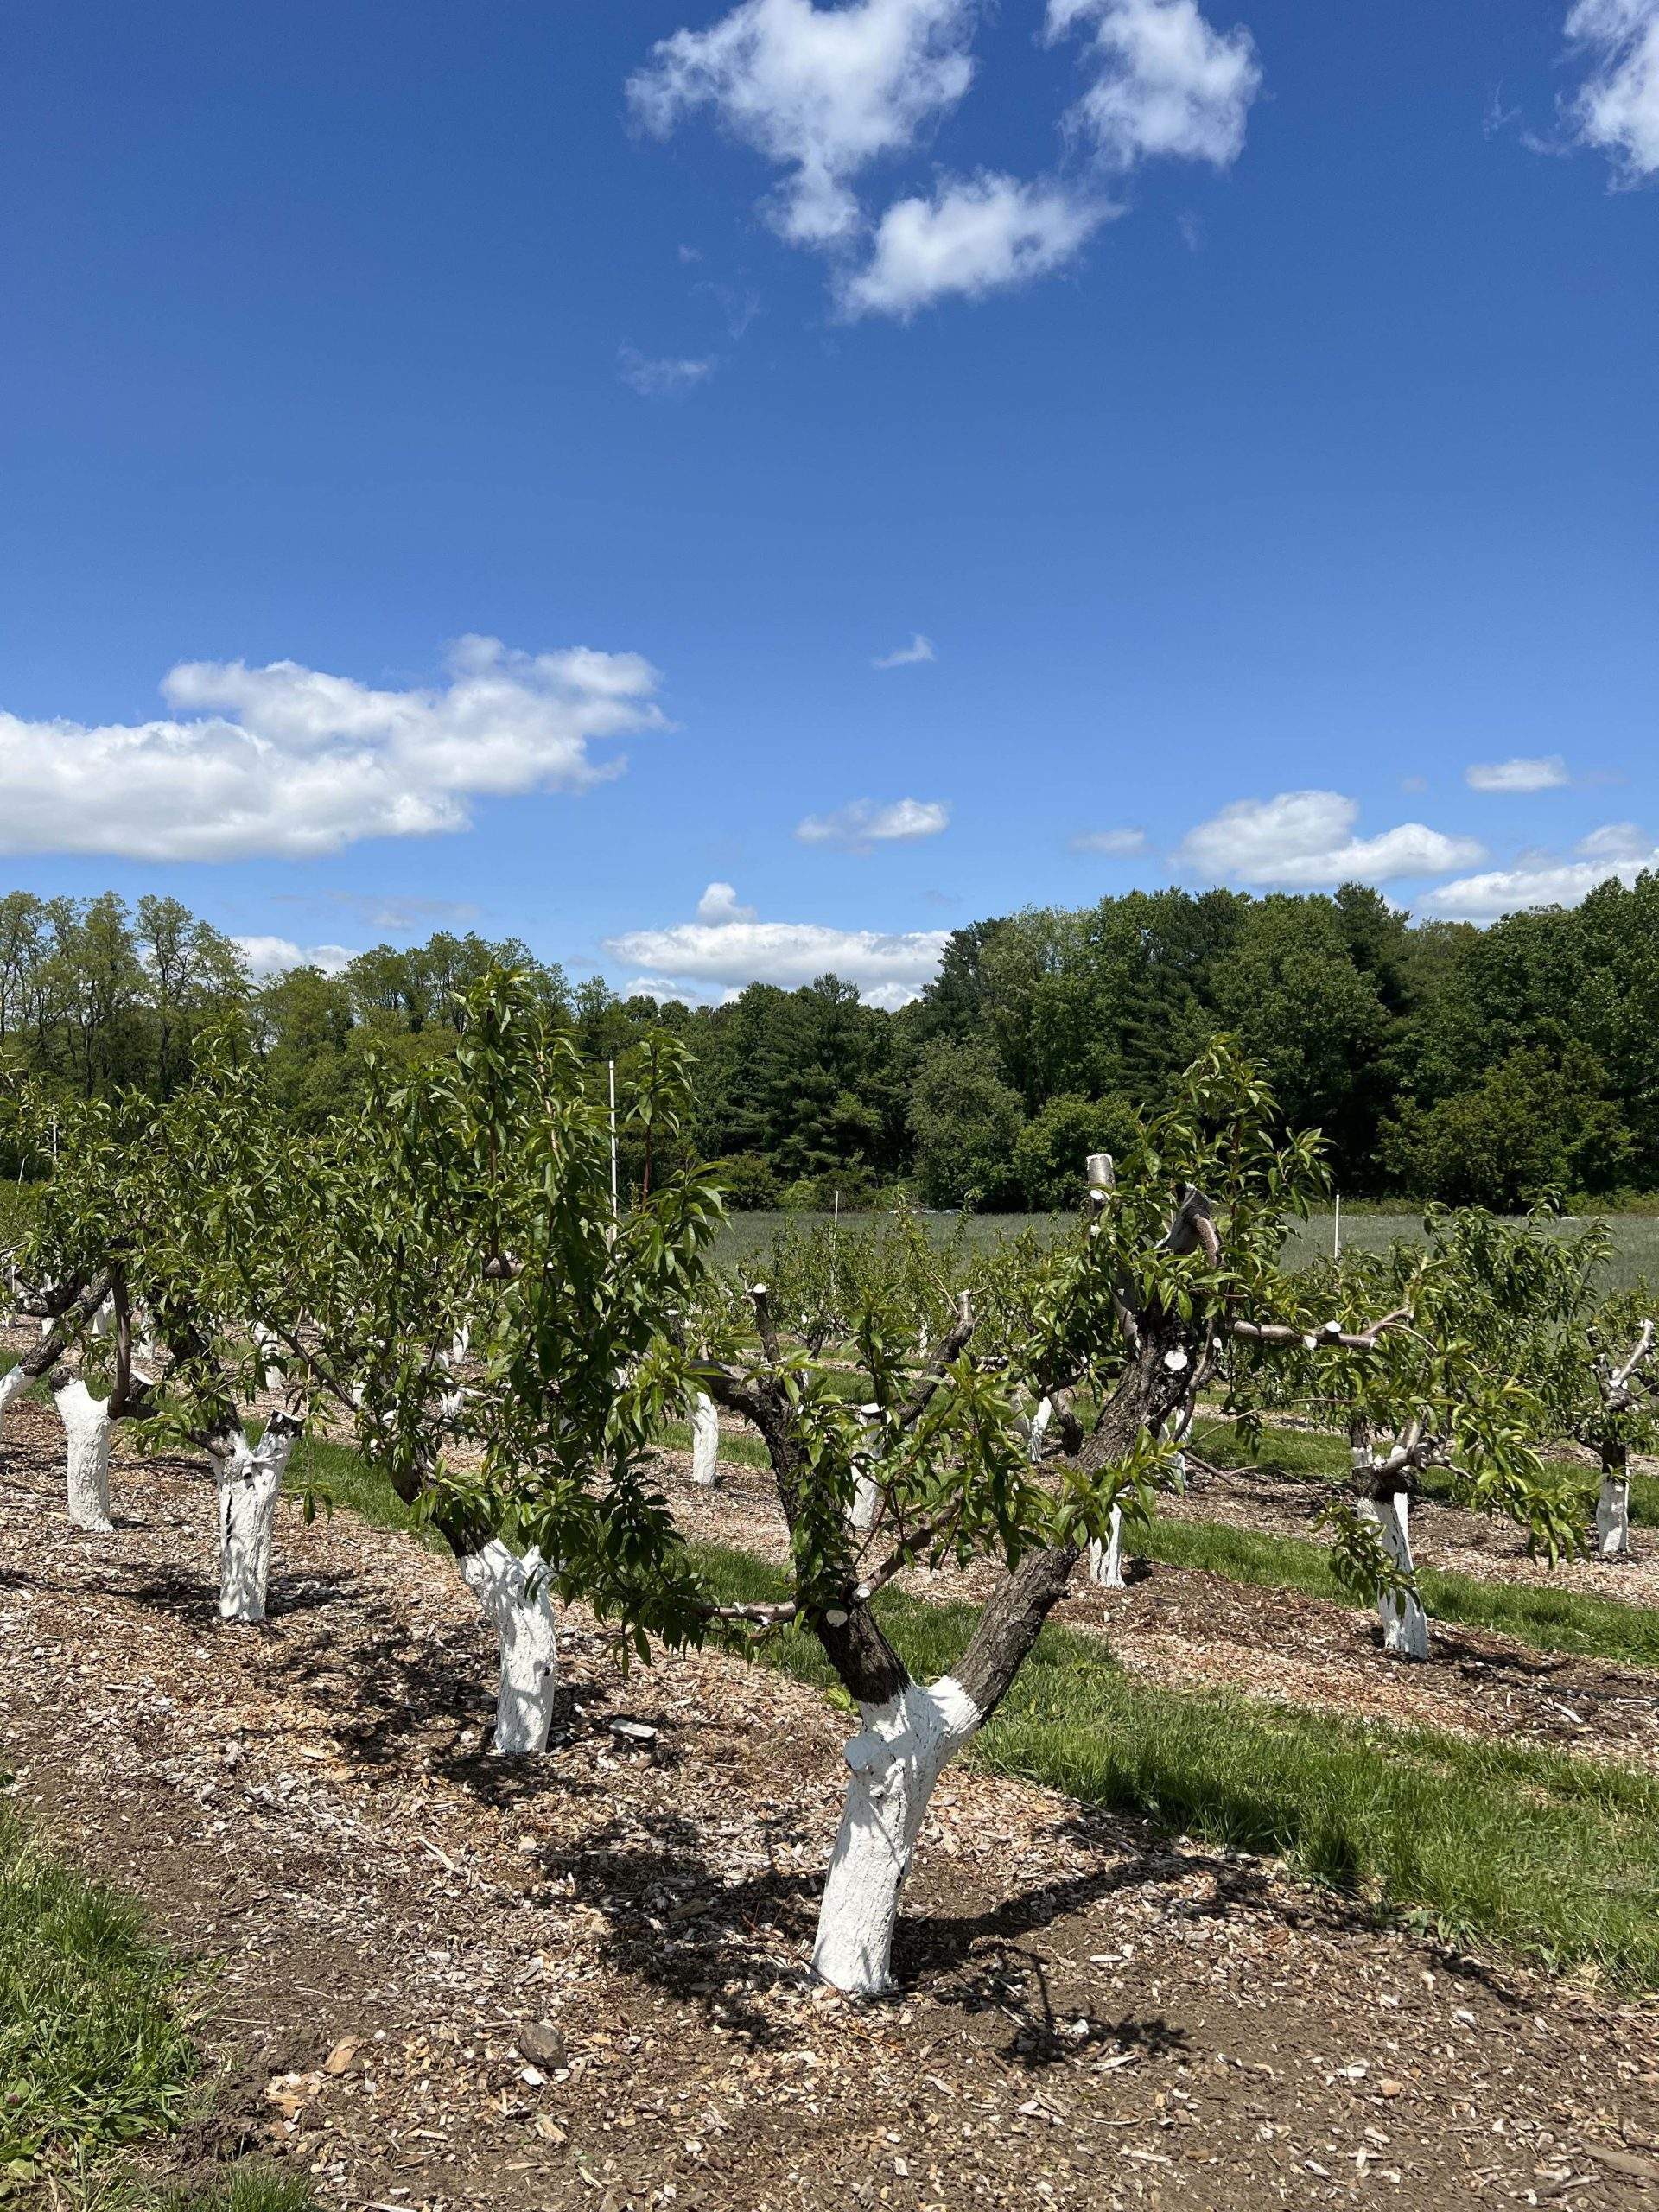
(615, 1209)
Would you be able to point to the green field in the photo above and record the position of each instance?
(1636, 1236)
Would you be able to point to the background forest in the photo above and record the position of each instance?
(1441, 1060)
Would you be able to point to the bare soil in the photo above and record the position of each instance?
(429, 1979)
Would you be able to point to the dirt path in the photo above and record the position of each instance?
(581, 1983)
(1187, 1628)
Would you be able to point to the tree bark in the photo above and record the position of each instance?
(527, 1639)
(87, 1428)
(1405, 1624)
(1612, 1506)
(250, 1481)
(1106, 1561)
(705, 1441)
(13, 1383)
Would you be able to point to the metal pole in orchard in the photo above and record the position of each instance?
(615, 1207)
(1335, 1230)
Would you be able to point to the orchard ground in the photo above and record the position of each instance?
(419, 1978)
(1633, 1259)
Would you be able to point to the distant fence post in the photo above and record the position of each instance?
(1335, 1230)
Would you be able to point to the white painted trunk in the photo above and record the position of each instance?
(249, 1484)
(13, 1383)
(527, 1636)
(1106, 1561)
(269, 1347)
(1405, 1624)
(705, 1441)
(1613, 1513)
(866, 1499)
(893, 1765)
(103, 1320)
(86, 1427)
(1039, 1429)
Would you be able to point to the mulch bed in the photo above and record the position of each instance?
(429, 1979)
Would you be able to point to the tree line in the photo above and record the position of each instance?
(1440, 1060)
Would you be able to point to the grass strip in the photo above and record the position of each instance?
(1552, 1856)
(92, 2049)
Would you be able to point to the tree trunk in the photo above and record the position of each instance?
(13, 1383)
(1106, 1561)
(527, 1637)
(87, 1428)
(249, 1483)
(1038, 1430)
(1612, 1507)
(1405, 1624)
(893, 1764)
(705, 1441)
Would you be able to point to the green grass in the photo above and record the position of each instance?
(94, 2051)
(338, 1477)
(1549, 1855)
(260, 2189)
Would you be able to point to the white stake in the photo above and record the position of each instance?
(1335, 1230)
(615, 1209)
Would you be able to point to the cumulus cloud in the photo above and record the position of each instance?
(1545, 775)
(1166, 81)
(856, 827)
(719, 904)
(660, 378)
(1618, 849)
(1616, 109)
(269, 957)
(1115, 844)
(693, 957)
(821, 91)
(288, 760)
(1301, 840)
(919, 649)
(973, 235)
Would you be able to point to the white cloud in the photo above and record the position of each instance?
(1616, 109)
(1166, 81)
(976, 235)
(919, 649)
(1117, 844)
(856, 827)
(269, 957)
(821, 91)
(1544, 775)
(889, 970)
(1618, 849)
(719, 904)
(288, 760)
(1300, 840)
(660, 378)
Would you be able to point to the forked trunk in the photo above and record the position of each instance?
(1106, 1561)
(893, 1764)
(1405, 1624)
(705, 1441)
(527, 1637)
(249, 1480)
(1612, 1506)
(86, 1427)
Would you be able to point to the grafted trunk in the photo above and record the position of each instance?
(1106, 1561)
(527, 1636)
(86, 1427)
(893, 1764)
(705, 1441)
(1612, 1506)
(1405, 1624)
(249, 1483)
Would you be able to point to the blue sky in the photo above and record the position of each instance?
(467, 465)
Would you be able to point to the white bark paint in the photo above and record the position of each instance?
(1039, 1429)
(1613, 1513)
(13, 1383)
(528, 1639)
(1405, 1624)
(103, 1321)
(1106, 1561)
(705, 1441)
(893, 1764)
(866, 1496)
(268, 1345)
(249, 1483)
(86, 1427)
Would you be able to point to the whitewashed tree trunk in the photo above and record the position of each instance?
(1612, 1512)
(893, 1763)
(1106, 1561)
(867, 1496)
(13, 1383)
(86, 1427)
(268, 1345)
(249, 1483)
(527, 1636)
(1405, 1624)
(705, 1441)
(1039, 1429)
(103, 1321)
